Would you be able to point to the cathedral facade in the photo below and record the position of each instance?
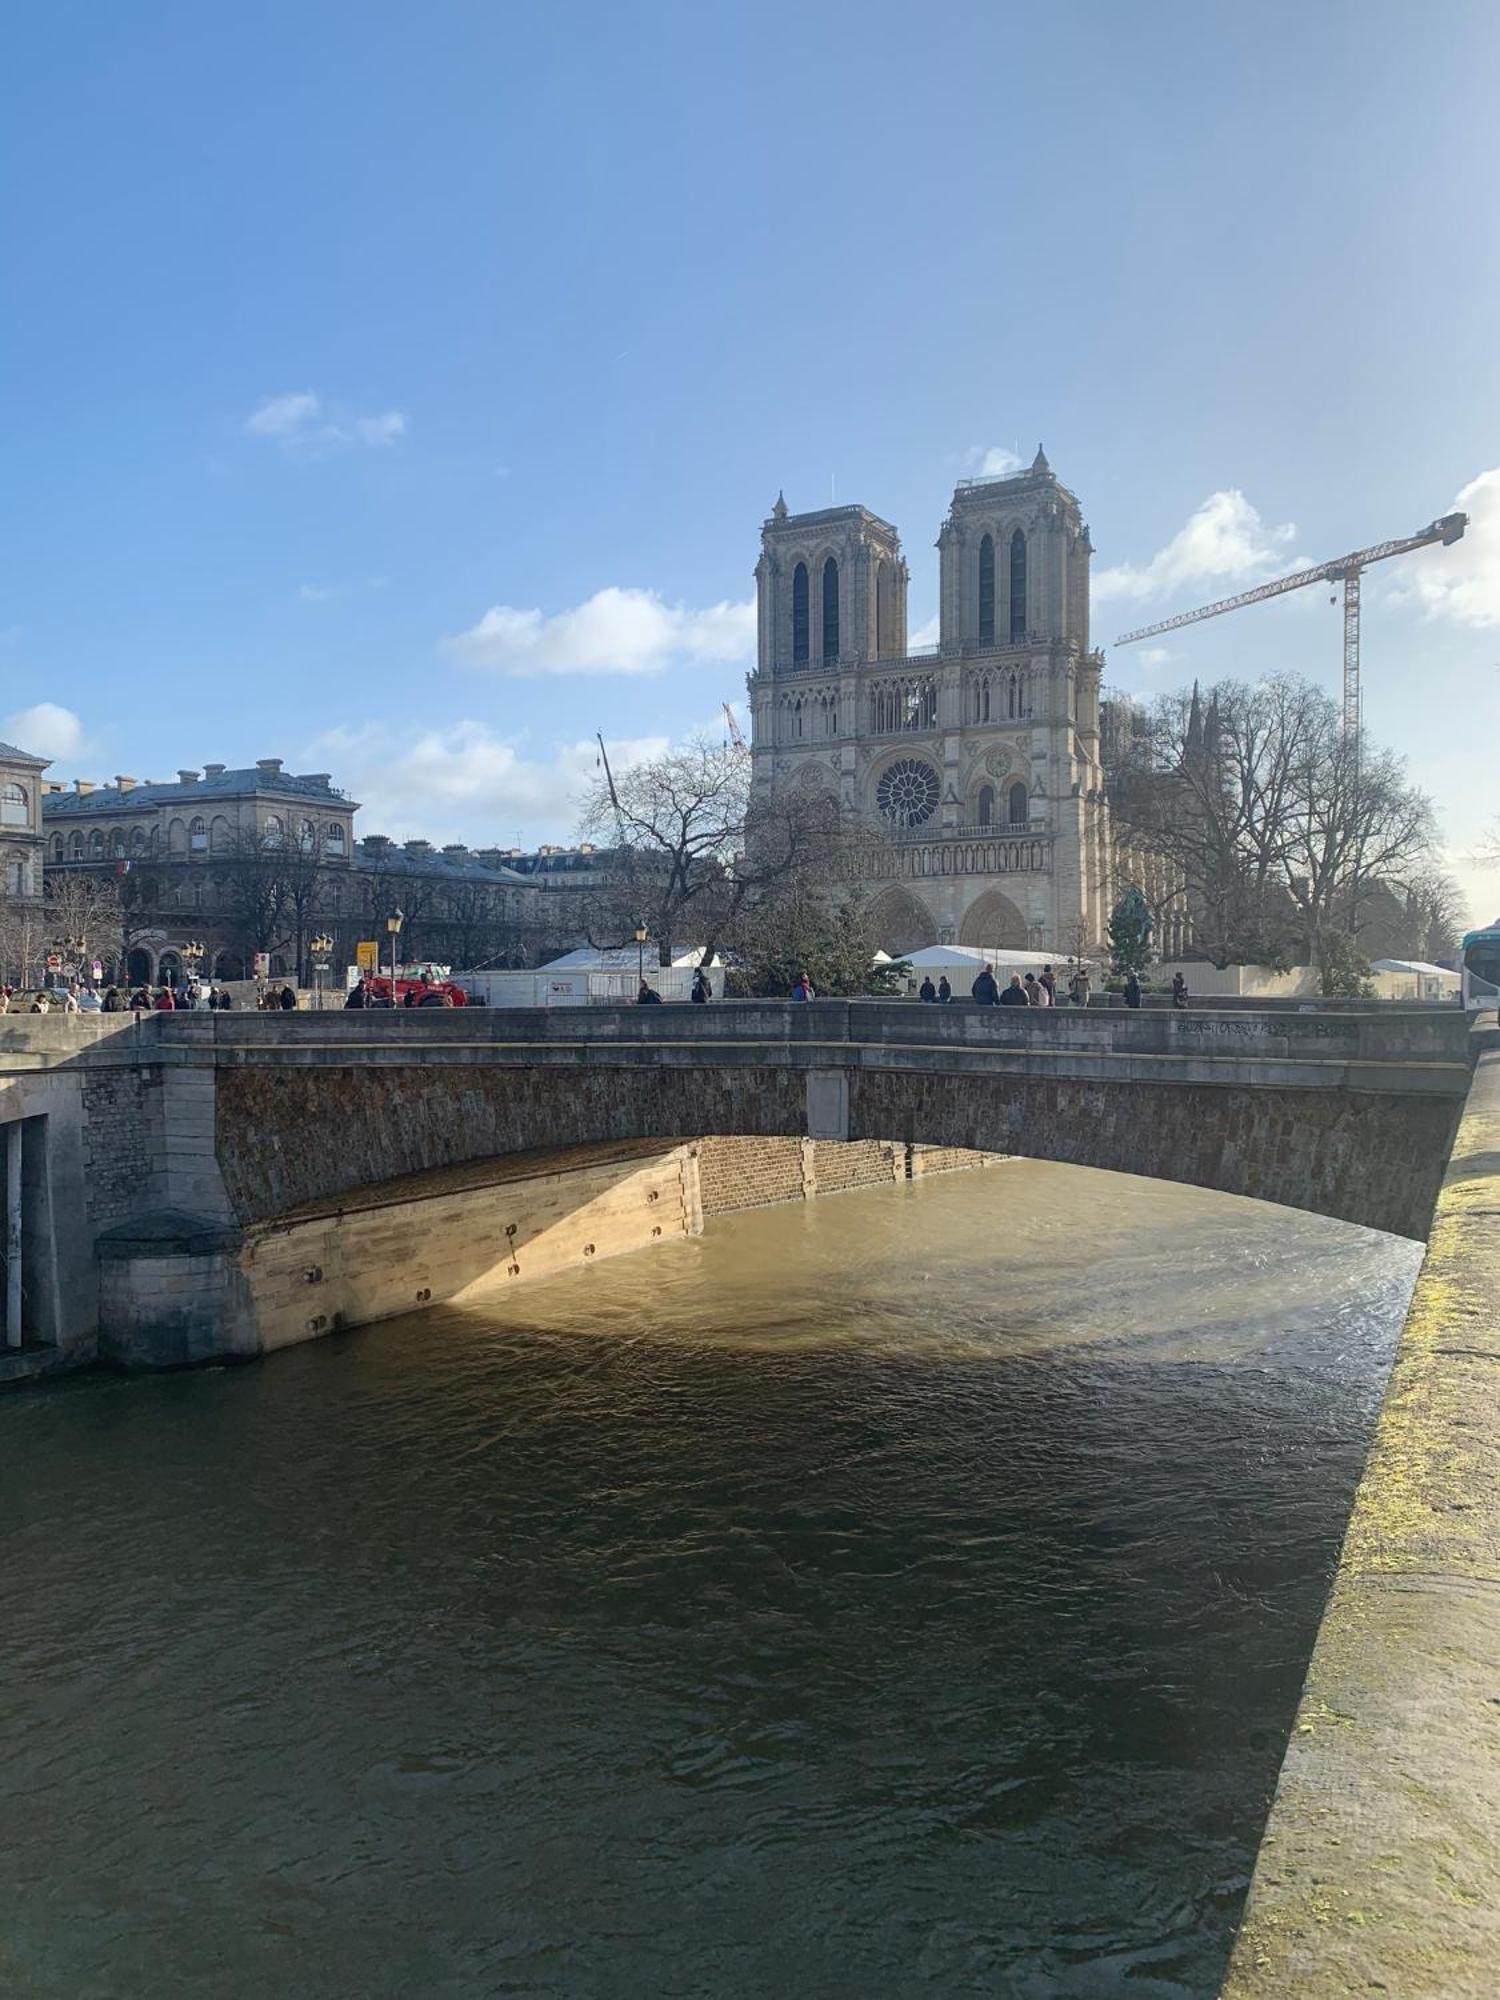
(976, 763)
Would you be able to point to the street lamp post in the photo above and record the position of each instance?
(320, 947)
(393, 924)
(640, 954)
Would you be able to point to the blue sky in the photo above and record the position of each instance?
(400, 390)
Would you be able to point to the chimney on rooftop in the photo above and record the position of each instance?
(454, 848)
(187, 777)
(124, 784)
(269, 767)
(213, 770)
(83, 786)
(317, 777)
(417, 846)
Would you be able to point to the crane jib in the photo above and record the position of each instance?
(1447, 529)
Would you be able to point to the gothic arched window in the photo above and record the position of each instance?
(830, 610)
(1020, 810)
(986, 805)
(198, 836)
(987, 591)
(799, 616)
(96, 845)
(15, 809)
(1017, 587)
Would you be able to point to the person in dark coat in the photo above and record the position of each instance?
(288, 1000)
(1132, 991)
(927, 991)
(648, 996)
(1014, 994)
(1179, 990)
(358, 997)
(1049, 980)
(945, 991)
(984, 989)
(702, 991)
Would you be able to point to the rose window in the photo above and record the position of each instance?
(908, 792)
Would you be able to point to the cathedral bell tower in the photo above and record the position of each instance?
(831, 589)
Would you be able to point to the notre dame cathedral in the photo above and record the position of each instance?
(978, 758)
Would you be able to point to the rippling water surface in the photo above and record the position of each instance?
(905, 1594)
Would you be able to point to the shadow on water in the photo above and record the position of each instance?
(905, 1594)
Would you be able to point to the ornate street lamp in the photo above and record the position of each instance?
(320, 947)
(641, 935)
(393, 924)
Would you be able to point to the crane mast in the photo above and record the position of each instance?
(1347, 570)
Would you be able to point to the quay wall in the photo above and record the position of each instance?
(1379, 1871)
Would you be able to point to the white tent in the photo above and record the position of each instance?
(961, 962)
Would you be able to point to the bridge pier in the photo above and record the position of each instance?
(828, 1104)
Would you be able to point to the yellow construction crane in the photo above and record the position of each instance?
(1343, 569)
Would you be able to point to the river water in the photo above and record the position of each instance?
(904, 1594)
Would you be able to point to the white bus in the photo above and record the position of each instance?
(1481, 968)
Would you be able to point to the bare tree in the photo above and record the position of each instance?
(691, 849)
(86, 917)
(24, 933)
(1274, 821)
(252, 883)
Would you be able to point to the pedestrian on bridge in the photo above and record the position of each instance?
(1132, 991)
(648, 996)
(1179, 991)
(802, 988)
(1014, 994)
(984, 989)
(927, 991)
(702, 992)
(945, 991)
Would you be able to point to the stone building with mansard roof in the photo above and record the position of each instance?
(21, 787)
(977, 759)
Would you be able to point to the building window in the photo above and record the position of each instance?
(987, 591)
(15, 809)
(1020, 811)
(117, 842)
(198, 836)
(333, 838)
(138, 840)
(75, 847)
(17, 882)
(1017, 587)
(986, 805)
(908, 792)
(800, 640)
(57, 847)
(307, 836)
(273, 831)
(830, 610)
(96, 845)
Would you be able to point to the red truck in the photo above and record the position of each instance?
(417, 992)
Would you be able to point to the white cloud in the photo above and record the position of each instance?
(464, 782)
(1461, 583)
(994, 462)
(316, 593)
(616, 631)
(45, 730)
(1154, 658)
(298, 422)
(1224, 542)
(926, 635)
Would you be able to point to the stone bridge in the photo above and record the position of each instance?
(159, 1157)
